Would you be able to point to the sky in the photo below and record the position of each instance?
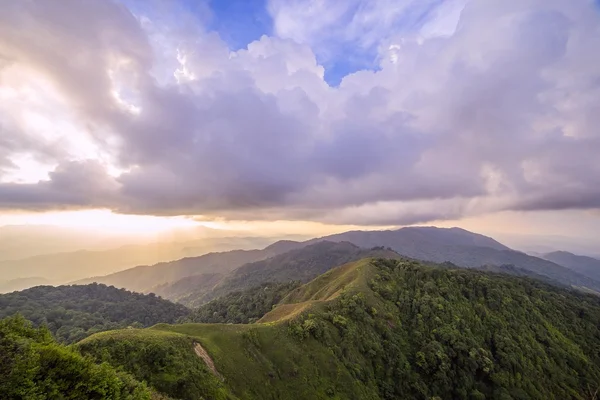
(303, 115)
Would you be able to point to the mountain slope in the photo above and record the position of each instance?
(146, 277)
(388, 329)
(419, 241)
(74, 312)
(587, 266)
(301, 264)
(243, 307)
(66, 267)
(463, 248)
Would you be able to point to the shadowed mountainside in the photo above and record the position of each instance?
(587, 266)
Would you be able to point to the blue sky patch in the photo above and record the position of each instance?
(240, 22)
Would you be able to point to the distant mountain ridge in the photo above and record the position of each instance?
(414, 240)
(66, 267)
(463, 248)
(191, 278)
(300, 264)
(584, 265)
(145, 277)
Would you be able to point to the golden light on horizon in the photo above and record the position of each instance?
(101, 220)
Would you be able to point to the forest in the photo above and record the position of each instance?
(74, 312)
(34, 366)
(379, 329)
(243, 307)
(423, 333)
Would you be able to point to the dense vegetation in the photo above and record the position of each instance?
(72, 313)
(460, 334)
(389, 329)
(166, 361)
(243, 307)
(34, 366)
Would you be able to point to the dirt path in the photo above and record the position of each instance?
(200, 352)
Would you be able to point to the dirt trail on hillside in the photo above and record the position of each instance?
(200, 352)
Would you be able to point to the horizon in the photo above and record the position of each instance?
(140, 121)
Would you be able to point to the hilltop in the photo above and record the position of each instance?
(77, 311)
(380, 329)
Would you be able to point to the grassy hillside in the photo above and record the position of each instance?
(74, 312)
(389, 329)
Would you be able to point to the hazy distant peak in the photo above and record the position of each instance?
(281, 246)
(584, 265)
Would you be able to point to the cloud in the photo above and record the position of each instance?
(72, 185)
(498, 115)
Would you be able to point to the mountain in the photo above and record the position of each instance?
(146, 278)
(301, 264)
(61, 268)
(179, 290)
(421, 242)
(74, 312)
(380, 329)
(463, 248)
(587, 266)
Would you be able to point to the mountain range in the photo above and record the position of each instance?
(347, 316)
(66, 267)
(379, 329)
(194, 280)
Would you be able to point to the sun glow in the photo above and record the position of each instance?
(101, 220)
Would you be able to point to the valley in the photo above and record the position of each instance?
(349, 316)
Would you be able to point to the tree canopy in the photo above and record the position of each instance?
(34, 366)
(74, 312)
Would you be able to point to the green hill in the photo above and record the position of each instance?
(74, 312)
(34, 366)
(383, 329)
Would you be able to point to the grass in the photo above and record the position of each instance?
(260, 361)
